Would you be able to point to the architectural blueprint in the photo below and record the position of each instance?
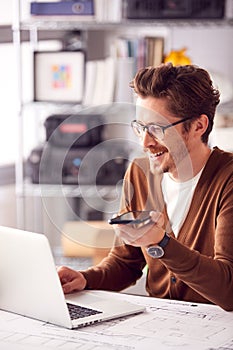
(166, 324)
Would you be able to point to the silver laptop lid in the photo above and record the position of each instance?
(30, 286)
(28, 283)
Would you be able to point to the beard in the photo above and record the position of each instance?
(162, 160)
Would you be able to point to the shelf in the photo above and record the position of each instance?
(72, 23)
(73, 191)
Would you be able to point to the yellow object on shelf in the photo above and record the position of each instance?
(178, 57)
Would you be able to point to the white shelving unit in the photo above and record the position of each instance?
(107, 30)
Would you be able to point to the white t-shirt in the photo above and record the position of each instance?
(178, 197)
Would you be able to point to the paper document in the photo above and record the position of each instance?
(166, 324)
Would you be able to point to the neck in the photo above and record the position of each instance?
(192, 164)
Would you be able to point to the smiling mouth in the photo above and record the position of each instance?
(156, 155)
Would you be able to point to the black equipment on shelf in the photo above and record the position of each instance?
(75, 152)
(174, 9)
(74, 130)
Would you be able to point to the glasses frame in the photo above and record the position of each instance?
(163, 128)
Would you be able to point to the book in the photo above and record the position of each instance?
(100, 82)
(72, 7)
(104, 82)
(90, 78)
(108, 10)
(125, 73)
(154, 51)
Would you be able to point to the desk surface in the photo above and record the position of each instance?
(166, 324)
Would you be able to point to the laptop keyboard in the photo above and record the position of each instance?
(77, 311)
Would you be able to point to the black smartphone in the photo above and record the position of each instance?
(138, 218)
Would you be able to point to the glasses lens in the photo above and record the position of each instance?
(153, 130)
(156, 131)
(138, 128)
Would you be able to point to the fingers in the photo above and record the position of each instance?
(64, 273)
(130, 234)
(144, 235)
(157, 218)
(71, 280)
(73, 286)
(134, 236)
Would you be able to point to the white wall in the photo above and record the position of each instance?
(210, 47)
(6, 10)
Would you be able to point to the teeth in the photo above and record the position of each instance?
(155, 155)
(158, 154)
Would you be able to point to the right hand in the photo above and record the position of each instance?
(149, 234)
(71, 280)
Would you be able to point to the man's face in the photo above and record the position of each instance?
(171, 154)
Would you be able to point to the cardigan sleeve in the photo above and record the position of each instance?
(120, 269)
(124, 264)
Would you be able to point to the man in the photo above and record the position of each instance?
(188, 246)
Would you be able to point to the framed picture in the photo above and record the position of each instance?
(59, 76)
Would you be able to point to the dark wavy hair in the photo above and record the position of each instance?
(189, 91)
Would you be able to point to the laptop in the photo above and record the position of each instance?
(30, 286)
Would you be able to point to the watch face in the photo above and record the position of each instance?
(155, 251)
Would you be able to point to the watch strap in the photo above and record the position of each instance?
(164, 241)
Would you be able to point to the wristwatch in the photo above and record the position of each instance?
(156, 251)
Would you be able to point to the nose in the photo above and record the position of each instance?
(148, 140)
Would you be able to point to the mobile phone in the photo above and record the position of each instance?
(138, 218)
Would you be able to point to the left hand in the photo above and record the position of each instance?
(144, 236)
(71, 280)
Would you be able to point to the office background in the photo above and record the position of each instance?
(208, 45)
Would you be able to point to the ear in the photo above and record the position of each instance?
(201, 124)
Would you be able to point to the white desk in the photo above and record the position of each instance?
(165, 325)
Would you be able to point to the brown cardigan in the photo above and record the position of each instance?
(198, 264)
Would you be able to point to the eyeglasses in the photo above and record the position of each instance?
(153, 130)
